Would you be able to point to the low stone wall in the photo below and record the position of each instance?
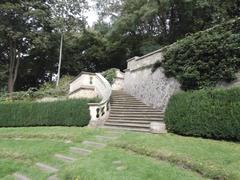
(119, 81)
(152, 88)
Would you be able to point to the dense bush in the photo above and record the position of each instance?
(59, 113)
(205, 58)
(110, 75)
(205, 113)
(46, 90)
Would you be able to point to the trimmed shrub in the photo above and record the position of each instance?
(206, 113)
(59, 113)
(205, 58)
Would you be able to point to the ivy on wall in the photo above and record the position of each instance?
(205, 58)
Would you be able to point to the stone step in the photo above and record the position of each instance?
(127, 128)
(140, 115)
(115, 98)
(144, 126)
(136, 113)
(47, 168)
(126, 102)
(93, 144)
(81, 151)
(135, 110)
(138, 118)
(65, 158)
(130, 106)
(19, 176)
(128, 121)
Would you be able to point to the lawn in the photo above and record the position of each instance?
(127, 155)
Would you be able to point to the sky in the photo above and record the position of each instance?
(91, 14)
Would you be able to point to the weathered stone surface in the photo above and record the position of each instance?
(158, 127)
(93, 144)
(19, 176)
(64, 158)
(54, 177)
(81, 151)
(47, 168)
(117, 162)
(152, 88)
(121, 168)
(105, 138)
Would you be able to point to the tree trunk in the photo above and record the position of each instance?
(60, 60)
(13, 67)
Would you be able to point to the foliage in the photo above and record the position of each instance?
(205, 113)
(110, 75)
(205, 58)
(136, 28)
(48, 89)
(59, 113)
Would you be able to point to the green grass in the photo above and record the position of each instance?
(143, 156)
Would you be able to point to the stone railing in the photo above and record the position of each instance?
(100, 111)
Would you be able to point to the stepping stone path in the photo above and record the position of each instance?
(64, 158)
(105, 138)
(110, 135)
(81, 151)
(121, 168)
(117, 162)
(20, 176)
(54, 177)
(47, 168)
(93, 144)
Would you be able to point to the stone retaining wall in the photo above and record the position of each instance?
(152, 88)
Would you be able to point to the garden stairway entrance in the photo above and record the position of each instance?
(129, 113)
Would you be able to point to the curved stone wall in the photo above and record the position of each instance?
(152, 88)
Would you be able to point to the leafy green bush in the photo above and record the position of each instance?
(205, 113)
(205, 58)
(46, 90)
(110, 75)
(59, 113)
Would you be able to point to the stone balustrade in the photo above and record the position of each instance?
(100, 111)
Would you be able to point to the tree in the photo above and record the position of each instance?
(67, 16)
(20, 20)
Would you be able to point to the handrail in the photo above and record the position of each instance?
(105, 97)
(100, 111)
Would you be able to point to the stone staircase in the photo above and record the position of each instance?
(129, 113)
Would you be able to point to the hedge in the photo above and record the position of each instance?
(59, 113)
(203, 59)
(205, 113)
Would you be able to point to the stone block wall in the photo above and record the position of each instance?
(152, 88)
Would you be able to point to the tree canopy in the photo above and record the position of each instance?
(30, 34)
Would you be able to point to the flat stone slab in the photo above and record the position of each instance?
(121, 168)
(47, 168)
(81, 151)
(19, 176)
(105, 138)
(94, 144)
(67, 141)
(64, 158)
(54, 177)
(117, 162)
